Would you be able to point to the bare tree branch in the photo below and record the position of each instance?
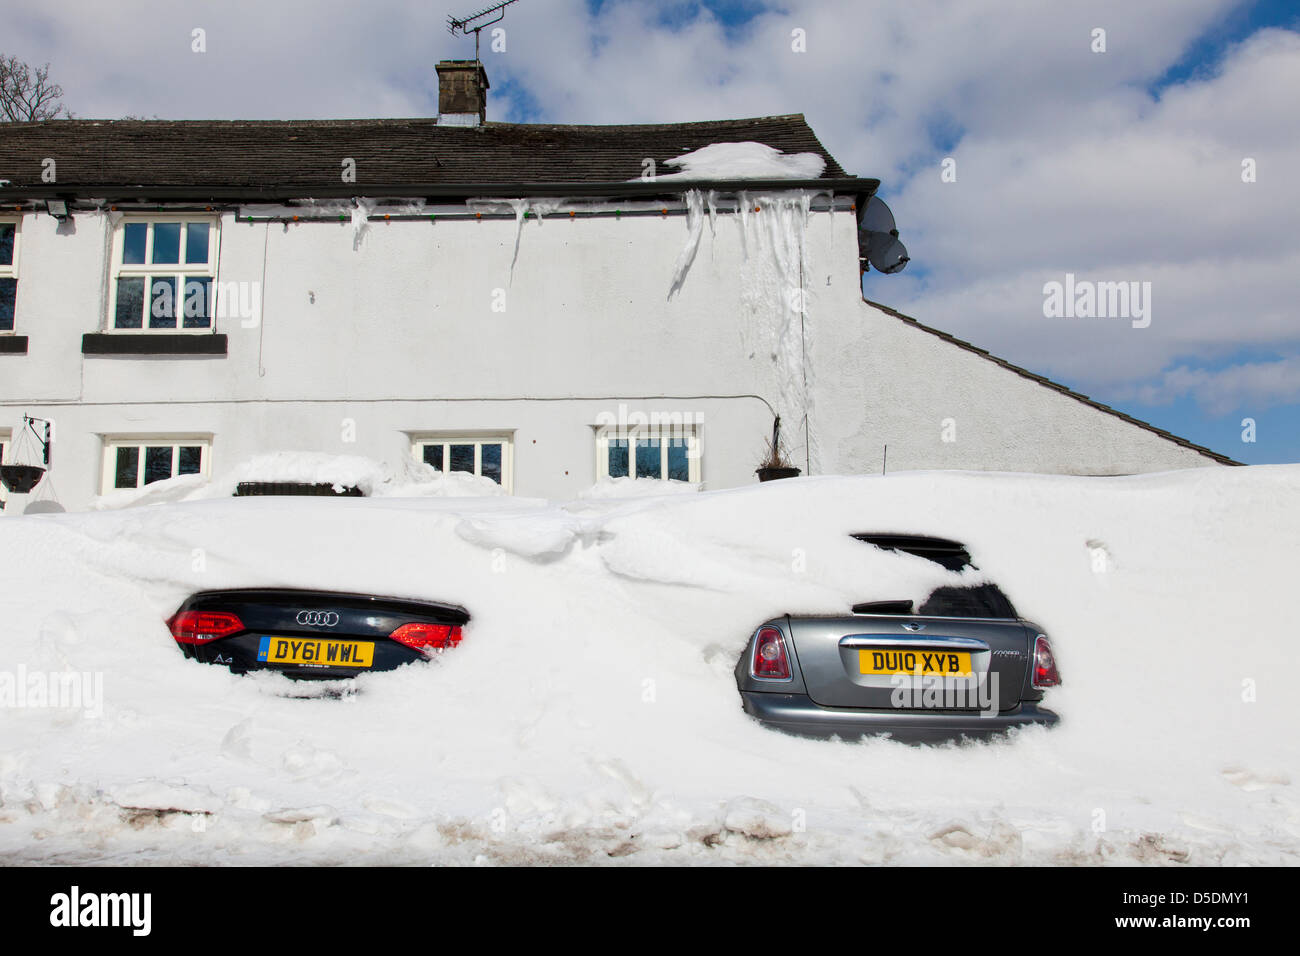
(27, 95)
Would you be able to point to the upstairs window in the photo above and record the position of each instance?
(136, 462)
(671, 453)
(489, 456)
(8, 273)
(163, 272)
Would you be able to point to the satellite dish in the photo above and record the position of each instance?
(878, 238)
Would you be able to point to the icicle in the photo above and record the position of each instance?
(522, 207)
(776, 300)
(360, 221)
(694, 229)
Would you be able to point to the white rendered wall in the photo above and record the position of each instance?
(400, 336)
(938, 405)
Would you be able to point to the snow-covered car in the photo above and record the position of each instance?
(320, 635)
(962, 664)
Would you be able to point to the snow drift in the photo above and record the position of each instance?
(591, 713)
(409, 479)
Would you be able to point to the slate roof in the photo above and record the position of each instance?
(168, 159)
(1055, 386)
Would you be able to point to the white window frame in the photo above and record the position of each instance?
(111, 443)
(149, 271)
(11, 271)
(664, 434)
(478, 439)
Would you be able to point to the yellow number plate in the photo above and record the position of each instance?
(294, 650)
(924, 663)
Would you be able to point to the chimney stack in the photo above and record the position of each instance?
(462, 93)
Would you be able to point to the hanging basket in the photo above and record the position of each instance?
(20, 479)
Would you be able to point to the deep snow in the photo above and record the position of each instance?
(591, 713)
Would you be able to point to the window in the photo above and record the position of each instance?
(163, 272)
(136, 462)
(9, 232)
(667, 452)
(487, 455)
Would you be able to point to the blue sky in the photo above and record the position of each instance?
(1120, 164)
(1236, 25)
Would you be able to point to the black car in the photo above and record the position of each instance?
(963, 664)
(313, 634)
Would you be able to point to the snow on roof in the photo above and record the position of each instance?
(731, 161)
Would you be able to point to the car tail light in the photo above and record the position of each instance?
(199, 627)
(420, 636)
(770, 660)
(1045, 672)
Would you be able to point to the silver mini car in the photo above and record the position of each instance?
(963, 664)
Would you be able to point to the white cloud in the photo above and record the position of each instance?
(1151, 192)
(1253, 387)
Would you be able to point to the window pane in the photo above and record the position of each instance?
(7, 233)
(433, 456)
(492, 462)
(191, 460)
(679, 467)
(196, 242)
(618, 458)
(167, 242)
(128, 468)
(462, 458)
(157, 463)
(8, 293)
(162, 303)
(647, 458)
(197, 305)
(135, 235)
(130, 304)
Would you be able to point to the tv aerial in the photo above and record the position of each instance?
(878, 238)
(462, 26)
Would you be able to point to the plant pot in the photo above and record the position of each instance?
(21, 479)
(772, 474)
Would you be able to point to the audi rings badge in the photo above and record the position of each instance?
(318, 618)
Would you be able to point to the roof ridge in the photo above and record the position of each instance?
(1055, 386)
(431, 120)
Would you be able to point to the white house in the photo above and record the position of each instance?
(542, 305)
